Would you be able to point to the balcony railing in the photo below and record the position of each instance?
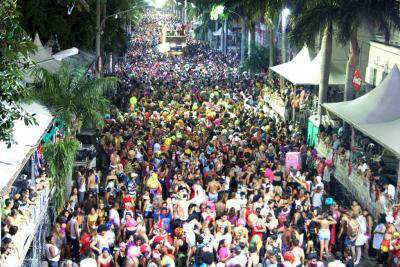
(354, 181)
(26, 231)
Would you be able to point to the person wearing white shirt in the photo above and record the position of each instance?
(363, 167)
(317, 197)
(234, 203)
(156, 147)
(390, 190)
(114, 216)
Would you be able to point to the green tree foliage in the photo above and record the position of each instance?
(380, 14)
(15, 46)
(258, 60)
(311, 18)
(74, 98)
(115, 36)
(78, 29)
(50, 17)
(60, 158)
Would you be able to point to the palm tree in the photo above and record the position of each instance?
(250, 12)
(271, 13)
(308, 21)
(77, 100)
(377, 13)
(71, 96)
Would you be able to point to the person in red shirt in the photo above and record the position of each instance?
(85, 242)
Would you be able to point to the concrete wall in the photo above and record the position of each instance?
(382, 57)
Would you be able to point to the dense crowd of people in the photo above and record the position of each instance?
(193, 172)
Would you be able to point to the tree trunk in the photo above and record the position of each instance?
(283, 54)
(209, 37)
(185, 13)
(103, 17)
(243, 41)
(110, 62)
(271, 50)
(284, 46)
(325, 66)
(248, 43)
(216, 37)
(98, 33)
(352, 62)
(225, 48)
(252, 38)
(222, 37)
(253, 33)
(129, 28)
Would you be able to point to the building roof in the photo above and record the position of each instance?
(27, 138)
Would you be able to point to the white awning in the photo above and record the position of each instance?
(27, 138)
(377, 113)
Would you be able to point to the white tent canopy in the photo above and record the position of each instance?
(43, 57)
(46, 60)
(303, 70)
(219, 32)
(377, 113)
(27, 138)
(290, 70)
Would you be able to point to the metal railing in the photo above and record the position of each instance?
(353, 181)
(27, 230)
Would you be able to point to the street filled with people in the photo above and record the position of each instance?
(193, 171)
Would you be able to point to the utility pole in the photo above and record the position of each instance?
(98, 37)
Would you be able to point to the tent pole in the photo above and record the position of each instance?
(397, 184)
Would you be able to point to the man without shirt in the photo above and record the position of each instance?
(213, 188)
